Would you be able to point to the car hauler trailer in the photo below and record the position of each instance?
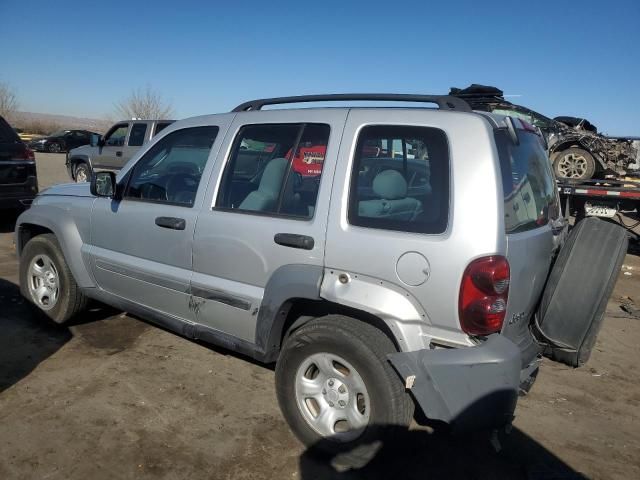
(602, 198)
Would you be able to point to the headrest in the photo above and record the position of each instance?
(273, 175)
(390, 185)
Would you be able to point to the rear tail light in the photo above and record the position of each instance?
(27, 154)
(483, 295)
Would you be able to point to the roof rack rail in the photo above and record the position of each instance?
(444, 102)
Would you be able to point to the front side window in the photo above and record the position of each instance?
(136, 137)
(400, 179)
(275, 169)
(170, 171)
(115, 138)
(530, 199)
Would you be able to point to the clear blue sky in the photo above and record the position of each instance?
(563, 57)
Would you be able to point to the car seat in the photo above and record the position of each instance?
(393, 203)
(265, 197)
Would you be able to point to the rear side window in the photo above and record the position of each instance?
(400, 179)
(136, 137)
(275, 169)
(530, 198)
(161, 126)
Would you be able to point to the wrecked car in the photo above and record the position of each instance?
(575, 147)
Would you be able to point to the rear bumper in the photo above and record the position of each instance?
(469, 388)
(18, 195)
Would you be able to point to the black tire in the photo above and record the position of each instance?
(81, 170)
(54, 147)
(572, 308)
(565, 158)
(365, 347)
(71, 300)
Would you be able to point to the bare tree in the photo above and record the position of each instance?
(144, 103)
(8, 100)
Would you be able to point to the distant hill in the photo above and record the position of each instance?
(46, 123)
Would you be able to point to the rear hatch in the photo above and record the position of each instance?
(16, 165)
(531, 209)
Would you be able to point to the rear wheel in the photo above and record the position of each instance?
(335, 386)
(574, 163)
(47, 282)
(81, 173)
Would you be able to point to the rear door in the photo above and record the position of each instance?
(138, 135)
(262, 191)
(534, 228)
(390, 211)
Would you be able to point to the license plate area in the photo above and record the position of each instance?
(600, 210)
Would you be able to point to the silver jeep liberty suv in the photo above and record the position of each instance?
(388, 259)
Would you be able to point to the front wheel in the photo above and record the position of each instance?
(82, 173)
(47, 282)
(575, 164)
(55, 148)
(336, 387)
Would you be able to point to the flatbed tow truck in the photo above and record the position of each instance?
(608, 199)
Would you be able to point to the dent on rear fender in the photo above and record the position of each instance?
(397, 308)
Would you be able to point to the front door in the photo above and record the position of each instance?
(110, 154)
(267, 215)
(142, 244)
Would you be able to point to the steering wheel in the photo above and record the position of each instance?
(181, 182)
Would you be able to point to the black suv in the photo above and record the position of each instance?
(18, 179)
(62, 141)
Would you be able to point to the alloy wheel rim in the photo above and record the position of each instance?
(332, 397)
(54, 148)
(81, 175)
(44, 282)
(573, 165)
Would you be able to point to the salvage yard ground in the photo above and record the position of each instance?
(112, 396)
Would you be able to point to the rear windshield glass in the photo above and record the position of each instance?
(527, 181)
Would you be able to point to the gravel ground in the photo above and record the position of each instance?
(114, 397)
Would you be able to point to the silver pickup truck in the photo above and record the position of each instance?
(114, 149)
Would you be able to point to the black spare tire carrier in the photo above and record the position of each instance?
(572, 308)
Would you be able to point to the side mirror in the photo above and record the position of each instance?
(94, 139)
(101, 142)
(103, 184)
